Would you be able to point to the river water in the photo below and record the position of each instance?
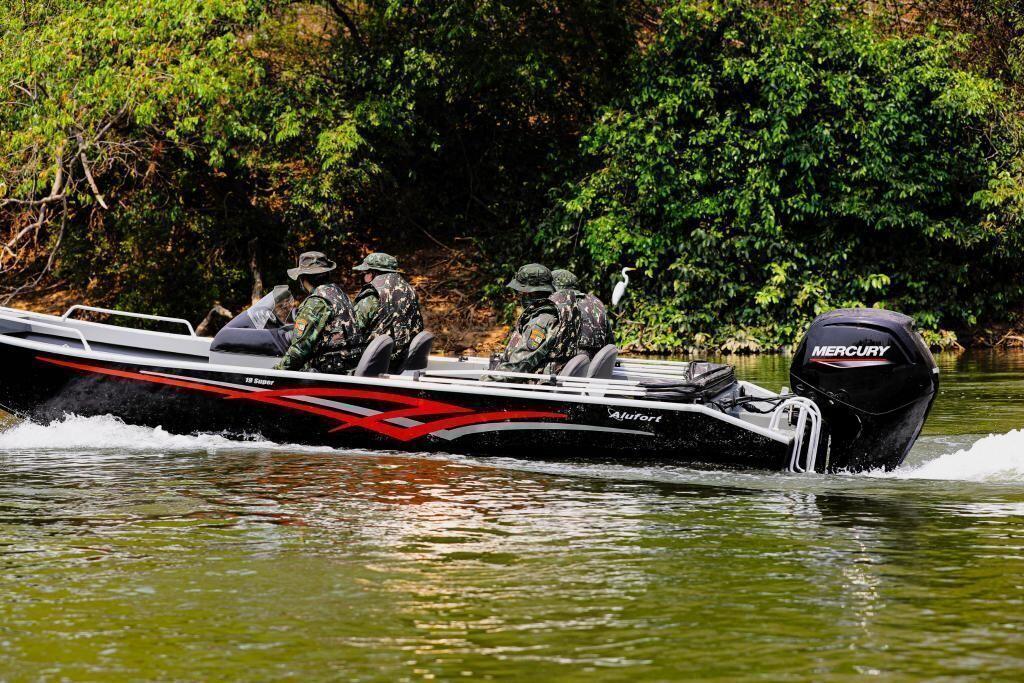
(131, 554)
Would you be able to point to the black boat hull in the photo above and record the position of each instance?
(354, 413)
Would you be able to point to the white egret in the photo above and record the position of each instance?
(620, 288)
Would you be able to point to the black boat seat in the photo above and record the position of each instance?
(576, 367)
(603, 364)
(376, 358)
(419, 352)
(271, 342)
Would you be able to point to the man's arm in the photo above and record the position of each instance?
(366, 311)
(310, 321)
(533, 348)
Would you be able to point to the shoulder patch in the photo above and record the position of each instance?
(536, 338)
(300, 325)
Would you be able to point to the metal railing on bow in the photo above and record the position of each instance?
(129, 314)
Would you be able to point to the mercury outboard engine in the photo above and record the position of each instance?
(874, 380)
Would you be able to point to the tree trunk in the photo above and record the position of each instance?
(206, 327)
(254, 267)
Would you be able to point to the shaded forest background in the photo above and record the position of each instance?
(758, 162)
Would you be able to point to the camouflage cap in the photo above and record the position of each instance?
(563, 279)
(378, 260)
(312, 263)
(533, 277)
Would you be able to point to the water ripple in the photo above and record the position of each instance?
(136, 554)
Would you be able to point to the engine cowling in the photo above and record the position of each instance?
(874, 379)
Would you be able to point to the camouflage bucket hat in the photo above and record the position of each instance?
(533, 277)
(312, 263)
(563, 279)
(378, 260)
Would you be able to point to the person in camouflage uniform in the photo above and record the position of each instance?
(387, 304)
(595, 324)
(543, 337)
(326, 336)
(569, 323)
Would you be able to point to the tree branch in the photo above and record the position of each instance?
(88, 174)
(56, 190)
(39, 278)
(344, 17)
(32, 202)
(114, 119)
(24, 231)
(19, 86)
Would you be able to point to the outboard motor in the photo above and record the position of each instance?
(874, 380)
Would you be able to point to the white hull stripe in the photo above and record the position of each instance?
(452, 434)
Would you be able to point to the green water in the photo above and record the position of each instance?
(130, 554)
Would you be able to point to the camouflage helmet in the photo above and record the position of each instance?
(533, 277)
(378, 260)
(563, 279)
(312, 263)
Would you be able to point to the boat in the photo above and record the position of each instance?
(862, 384)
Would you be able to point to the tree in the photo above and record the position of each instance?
(765, 165)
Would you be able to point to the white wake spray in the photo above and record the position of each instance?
(107, 432)
(994, 458)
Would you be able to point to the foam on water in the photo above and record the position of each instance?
(107, 432)
(994, 458)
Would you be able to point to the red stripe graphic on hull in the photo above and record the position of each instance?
(452, 415)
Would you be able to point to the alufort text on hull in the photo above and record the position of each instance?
(842, 413)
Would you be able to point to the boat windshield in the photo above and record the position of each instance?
(273, 310)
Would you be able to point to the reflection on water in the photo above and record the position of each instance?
(129, 553)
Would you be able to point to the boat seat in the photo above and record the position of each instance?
(576, 367)
(419, 352)
(375, 358)
(272, 342)
(603, 364)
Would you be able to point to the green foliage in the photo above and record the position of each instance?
(150, 98)
(210, 123)
(452, 118)
(941, 340)
(764, 166)
(759, 163)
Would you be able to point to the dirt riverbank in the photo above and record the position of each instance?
(447, 280)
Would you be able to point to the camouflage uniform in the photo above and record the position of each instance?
(326, 337)
(539, 338)
(530, 341)
(388, 305)
(570, 323)
(595, 325)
